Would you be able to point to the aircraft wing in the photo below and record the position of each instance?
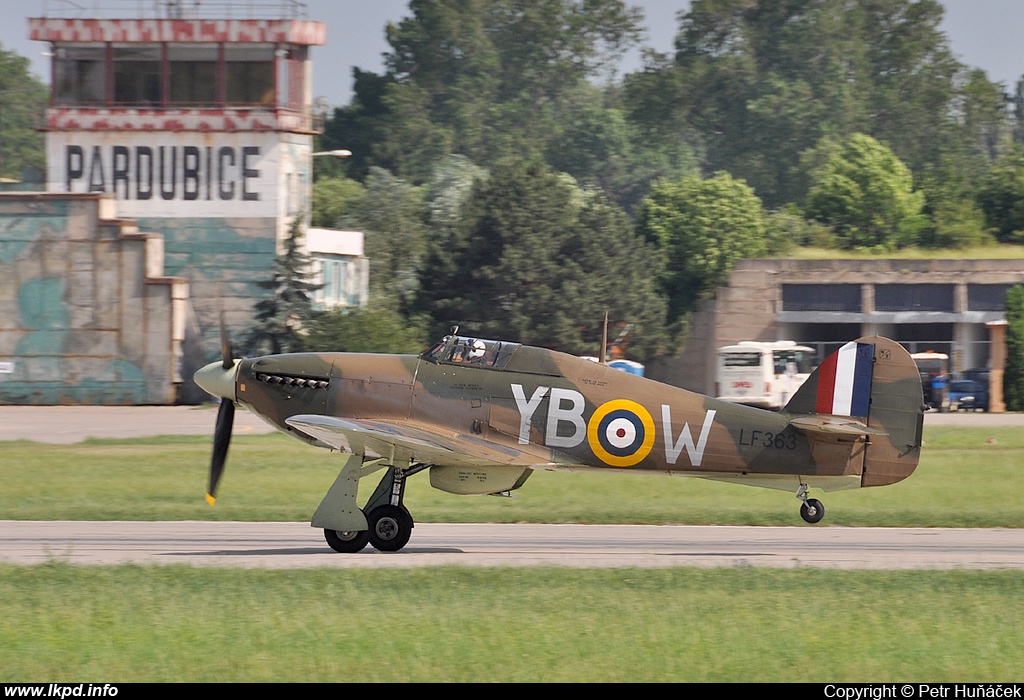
(410, 442)
(832, 427)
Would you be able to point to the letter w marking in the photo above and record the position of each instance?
(695, 452)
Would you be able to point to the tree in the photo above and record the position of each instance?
(1013, 376)
(759, 82)
(762, 81)
(600, 147)
(335, 198)
(1001, 197)
(787, 227)
(358, 126)
(481, 78)
(391, 216)
(289, 305)
(538, 260)
(956, 223)
(505, 275)
(866, 194)
(362, 330)
(22, 97)
(448, 191)
(454, 182)
(1017, 102)
(620, 272)
(701, 227)
(985, 117)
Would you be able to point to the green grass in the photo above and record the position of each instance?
(130, 623)
(964, 480)
(121, 624)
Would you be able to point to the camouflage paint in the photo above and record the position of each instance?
(547, 410)
(232, 251)
(482, 425)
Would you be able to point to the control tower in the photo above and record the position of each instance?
(197, 117)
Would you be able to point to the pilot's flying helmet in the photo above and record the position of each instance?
(477, 349)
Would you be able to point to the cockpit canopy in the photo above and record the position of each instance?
(474, 352)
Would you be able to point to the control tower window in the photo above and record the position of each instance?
(79, 74)
(193, 73)
(136, 75)
(250, 75)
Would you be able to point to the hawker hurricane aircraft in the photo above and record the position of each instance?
(482, 415)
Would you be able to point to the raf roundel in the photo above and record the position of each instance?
(621, 433)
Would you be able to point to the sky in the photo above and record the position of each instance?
(983, 33)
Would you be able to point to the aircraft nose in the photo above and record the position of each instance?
(216, 380)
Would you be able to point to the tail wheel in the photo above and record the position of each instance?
(812, 510)
(347, 542)
(390, 527)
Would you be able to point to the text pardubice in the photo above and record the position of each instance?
(168, 172)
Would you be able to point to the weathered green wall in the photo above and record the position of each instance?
(86, 313)
(223, 259)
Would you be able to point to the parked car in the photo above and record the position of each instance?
(978, 374)
(968, 395)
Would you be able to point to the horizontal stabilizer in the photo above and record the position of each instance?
(831, 426)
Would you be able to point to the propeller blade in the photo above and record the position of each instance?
(221, 441)
(228, 357)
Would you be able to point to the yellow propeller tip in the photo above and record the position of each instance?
(210, 499)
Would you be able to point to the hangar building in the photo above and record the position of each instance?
(949, 306)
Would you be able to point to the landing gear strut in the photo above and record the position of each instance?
(812, 510)
(388, 522)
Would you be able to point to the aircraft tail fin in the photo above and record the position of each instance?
(874, 382)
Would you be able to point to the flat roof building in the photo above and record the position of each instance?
(947, 306)
(179, 146)
(198, 119)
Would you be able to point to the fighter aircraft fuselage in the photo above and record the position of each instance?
(482, 415)
(565, 411)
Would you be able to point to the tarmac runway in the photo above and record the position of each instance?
(66, 425)
(297, 545)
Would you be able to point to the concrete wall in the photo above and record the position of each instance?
(223, 260)
(751, 307)
(87, 315)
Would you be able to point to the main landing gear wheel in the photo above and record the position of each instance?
(347, 542)
(390, 527)
(812, 510)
